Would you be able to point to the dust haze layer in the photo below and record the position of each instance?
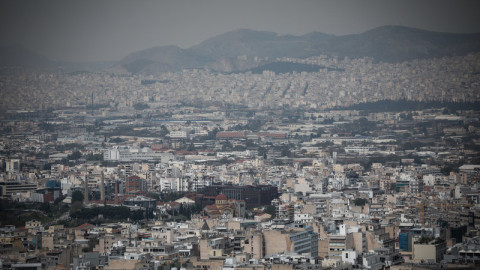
(236, 50)
(383, 44)
(108, 30)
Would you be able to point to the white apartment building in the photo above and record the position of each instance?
(136, 154)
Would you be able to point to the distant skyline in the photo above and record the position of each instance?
(105, 30)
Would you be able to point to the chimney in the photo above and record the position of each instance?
(102, 188)
(85, 194)
(116, 192)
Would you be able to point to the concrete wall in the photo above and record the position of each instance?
(276, 242)
(356, 241)
(428, 252)
(121, 264)
(47, 242)
(204, 249)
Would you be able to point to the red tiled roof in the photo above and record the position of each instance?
(159, 148)
(231, 134)
(84, 225)
(183, 152)
(273, 135)
(221, 197)
(191, 196)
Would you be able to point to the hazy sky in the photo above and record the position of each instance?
(86, 30)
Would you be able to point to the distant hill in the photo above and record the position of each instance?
(218, 53)
(162, 59)
(397, 44)
(386, 43)
(251, 43)
(243, 49)
(235, 50)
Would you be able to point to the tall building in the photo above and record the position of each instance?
(135, 185)
(253, 196)
(11, 187)
(405, 241)
(337, 243)
(13, 165)
(286, 211)
(304, 241)
(136, 154)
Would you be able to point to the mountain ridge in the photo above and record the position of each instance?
(245, 48)
(235, 50)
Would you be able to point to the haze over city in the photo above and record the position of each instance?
(242, 135)
(110, 30)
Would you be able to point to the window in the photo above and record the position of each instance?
(346, 255)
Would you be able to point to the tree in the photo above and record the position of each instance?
(75, 207)
(254, 125)
(445, 170)
(227, 145)
(140, 106)
(239, 148)
(137, 215)
(191, 147)
(212, 135)
(417, 160)
(360, 202)
(45, 207)
(95, 157)
(77, 196)
(46, 126)
(75, 155)
(58, 200)
(285, 151)
(116, 140)
(271, 210)
(164, 131)
(262, 152)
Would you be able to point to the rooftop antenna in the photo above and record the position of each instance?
(102, 189)
(130, 235)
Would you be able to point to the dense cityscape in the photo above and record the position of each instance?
(239, 135)
(359, 164)
(337, 82)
